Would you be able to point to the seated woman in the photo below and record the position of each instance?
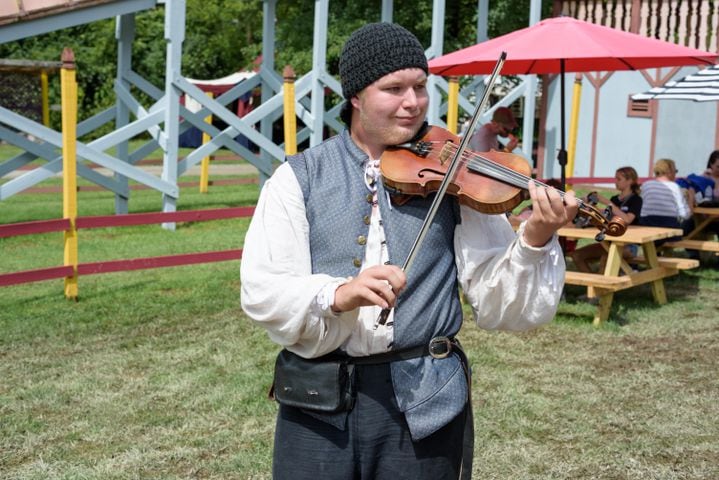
(664, 203)
(712, 172)
(707, 189)
(701, 189)
(626, 205)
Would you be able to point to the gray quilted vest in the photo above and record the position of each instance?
(430, 392)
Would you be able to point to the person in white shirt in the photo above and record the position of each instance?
(663, 202)
(320, 265)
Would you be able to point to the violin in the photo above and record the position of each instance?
(489, 182)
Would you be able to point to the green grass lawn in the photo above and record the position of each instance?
(158, 374)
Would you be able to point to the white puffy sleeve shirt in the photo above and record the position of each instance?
(509, 284)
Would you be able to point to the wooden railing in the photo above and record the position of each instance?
(692, 23)
(63, 224)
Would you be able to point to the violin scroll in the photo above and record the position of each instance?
(603, 221)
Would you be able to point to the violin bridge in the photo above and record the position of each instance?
(446, 153)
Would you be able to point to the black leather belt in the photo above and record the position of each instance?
(438, 347)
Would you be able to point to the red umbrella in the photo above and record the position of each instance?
(565, 44)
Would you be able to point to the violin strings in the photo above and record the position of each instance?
(501, 172)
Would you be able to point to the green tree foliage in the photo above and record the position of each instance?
(509, 15)
(222, 37)
(94, 48)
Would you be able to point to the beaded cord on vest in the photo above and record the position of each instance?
(371, 177)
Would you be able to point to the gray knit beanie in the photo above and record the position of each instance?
(375, 50)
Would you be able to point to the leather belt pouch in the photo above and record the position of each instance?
(323, 384)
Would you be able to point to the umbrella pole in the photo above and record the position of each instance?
(562, 157)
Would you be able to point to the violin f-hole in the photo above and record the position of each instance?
(421, 173)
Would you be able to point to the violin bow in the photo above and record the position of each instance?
(451, 171)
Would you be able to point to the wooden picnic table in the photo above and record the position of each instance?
(617, 274)
(699, 238)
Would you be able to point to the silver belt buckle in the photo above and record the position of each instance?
(440, 347)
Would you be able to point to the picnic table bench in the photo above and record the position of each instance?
(703, 245)
(618, 274)
(596, 280)
(678, 263)
(699, 238)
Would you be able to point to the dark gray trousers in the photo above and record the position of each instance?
(375, 445)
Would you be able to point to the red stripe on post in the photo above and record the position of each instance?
(158, 262)
(596, 180)
(30, 228)
(28, 276)
(95, 188)
(163, 217)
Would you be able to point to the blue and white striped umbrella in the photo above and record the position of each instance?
(702, 86)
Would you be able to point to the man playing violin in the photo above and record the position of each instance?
(321, 262)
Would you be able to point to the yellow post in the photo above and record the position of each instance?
(452, 104)
(574, 125)
(45, 99)
(290, 116)
(205, 165)
(69, 166)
